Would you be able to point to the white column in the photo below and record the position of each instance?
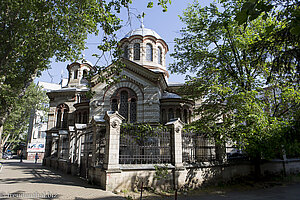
(176, 127)
(113, 122)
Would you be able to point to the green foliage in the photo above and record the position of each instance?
(16, 126)
(140, 132)
(33, 32)
(243, 99)
(281, 41)
(161, 171)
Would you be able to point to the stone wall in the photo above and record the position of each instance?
(113, 176)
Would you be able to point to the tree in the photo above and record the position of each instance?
(285, 59)
(16, 126)
(34, 31)
(239, 102)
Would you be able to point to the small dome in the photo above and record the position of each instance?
(143, 32)
(169, 95)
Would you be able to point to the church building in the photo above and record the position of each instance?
(143, 96)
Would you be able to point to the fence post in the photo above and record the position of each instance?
(113, 122)
(176, 126)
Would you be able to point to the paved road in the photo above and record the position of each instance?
(33, 181)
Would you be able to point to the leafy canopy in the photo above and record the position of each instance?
(238, 101)
(33, 32)
(16, 126)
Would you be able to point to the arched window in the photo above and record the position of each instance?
(65, 120)
(75, 74)
(159, 55)
(185, 116)
(126, 52)
(85, 118)
(136, 50)
(163, 116)
(124, 100)
(62, 116)
(149, 52)
(133, 110)
(171, 114)
(178, 113)
(85, 73)
(124, 104)
(58, 119)
(114, 105)
(79, 118)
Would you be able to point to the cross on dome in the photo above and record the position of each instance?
(142, 19)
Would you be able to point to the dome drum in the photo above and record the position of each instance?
(145, 47)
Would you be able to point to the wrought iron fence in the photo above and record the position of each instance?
(144, 146)
(189, 144)
(197, 148)
(100, 145)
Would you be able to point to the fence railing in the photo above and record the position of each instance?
(197, 148)
(140, 146)
(100, 145)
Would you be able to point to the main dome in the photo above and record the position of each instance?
(143, 32)
(146, 48)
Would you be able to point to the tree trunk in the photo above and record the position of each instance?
(257, 169)
(3, 142)
(1, 146)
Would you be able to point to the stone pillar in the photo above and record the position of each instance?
(176, 126)
(113, 121)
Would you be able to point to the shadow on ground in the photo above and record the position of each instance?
(42, 174)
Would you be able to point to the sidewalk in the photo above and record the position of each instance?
(28, 180)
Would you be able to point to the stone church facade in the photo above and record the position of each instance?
(85, 136)
(143, 96)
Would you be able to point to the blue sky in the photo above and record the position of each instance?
(166, 24)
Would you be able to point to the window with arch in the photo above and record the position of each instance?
(75, 74)
(114, 105)
(62, 111)
(136, 51)
(126, 52)
(124, 101)
(79, 118)
(163, 116)
(85, 73)
(178, 113)
(170, 114)
(159, 55)
(149, 52)
(85, 117)
(185, 116)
